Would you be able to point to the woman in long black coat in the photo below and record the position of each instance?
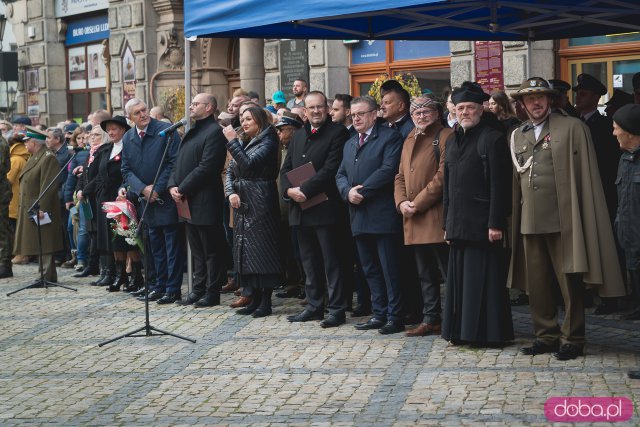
(253, 194)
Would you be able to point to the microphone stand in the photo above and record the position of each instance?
(147, 328)
(34, 210)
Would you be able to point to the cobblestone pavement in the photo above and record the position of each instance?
(270, 372)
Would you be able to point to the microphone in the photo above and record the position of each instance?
(173, 127)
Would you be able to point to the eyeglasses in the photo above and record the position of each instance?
(194, 104)
(424, 113)
(360, 114)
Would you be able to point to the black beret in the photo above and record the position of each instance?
(469, 92)
(628, 118)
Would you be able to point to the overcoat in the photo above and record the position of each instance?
(324, 150)
(420, 179)
(373, 166)
(587, 239)
(140, 162)
(19, 156)
(40, 169)
(252, 176)
(199, 163)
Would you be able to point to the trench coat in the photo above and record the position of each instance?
(40, 169)
(588, 246)
(19, 156)
(421, 181)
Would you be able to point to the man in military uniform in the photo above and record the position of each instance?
(6, 237)
(560, 224)
(562, 100)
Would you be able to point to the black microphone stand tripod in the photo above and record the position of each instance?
(34, 210)
(147, 328)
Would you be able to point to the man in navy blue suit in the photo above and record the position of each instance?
(141, 155)
(365, 181)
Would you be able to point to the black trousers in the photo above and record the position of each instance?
(432, 261)
(319, 250)
(209, 251)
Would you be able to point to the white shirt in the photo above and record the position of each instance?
(117, 149)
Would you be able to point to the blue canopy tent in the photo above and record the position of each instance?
(410, 19)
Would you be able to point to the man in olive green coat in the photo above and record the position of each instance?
(561, 225)
(39, 171)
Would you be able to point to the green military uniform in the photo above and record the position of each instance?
(6, 237)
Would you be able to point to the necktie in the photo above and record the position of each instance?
(314, 131)
(362, 137)
(142, 134)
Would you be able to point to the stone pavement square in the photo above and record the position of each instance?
(245, 371)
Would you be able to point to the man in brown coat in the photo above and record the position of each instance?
(560, 222)
(418, 197)
(39, 171)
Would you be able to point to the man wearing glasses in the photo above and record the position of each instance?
(365, 182)
(142, 149)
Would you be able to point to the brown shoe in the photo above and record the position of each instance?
(424, 329)
(241, 302)
(303, 302)
(20, 259)
(229, 287)
(238, 292)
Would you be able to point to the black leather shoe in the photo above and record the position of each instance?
(568, 352)
(373, 323)
(522, 299)
(634, 315)
(207, 301)
(634, 375)
(391, 327)
(5, 272)
(167, 299)
(539, 347)
(261, 312)
(153, 296)
(138, 293)
(192, 298)
(361, 311)
(333, 321)
(306, 316)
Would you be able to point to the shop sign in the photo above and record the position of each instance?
(419, 49)
(488, 64)
(368, 51)
(128, 74)
(87, 30)
(75, 7)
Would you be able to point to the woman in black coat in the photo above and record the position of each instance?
(253, 194)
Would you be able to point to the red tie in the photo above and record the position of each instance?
(141, 134)
(362, 137)
(314, 130)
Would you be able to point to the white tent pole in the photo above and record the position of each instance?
(187, 102)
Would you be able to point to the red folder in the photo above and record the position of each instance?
(301, 174)
(183, 209)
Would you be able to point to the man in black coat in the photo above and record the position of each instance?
(320, 142)
(365, 181)
(195, 182)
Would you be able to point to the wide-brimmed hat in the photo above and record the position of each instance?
(119, 120)
(289, 118)
(534, 85)
(588, 82)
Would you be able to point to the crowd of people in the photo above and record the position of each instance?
(323, 198)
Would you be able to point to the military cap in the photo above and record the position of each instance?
(534, 85)
(469, 92)
(620, 98)
(70, 127)
(21, 120)
(35, 133)
(628, 118)
(289, 118)
(559, 85)
(588, 82)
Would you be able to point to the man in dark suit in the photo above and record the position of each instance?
(320, 142)
(141, 155)
(195, 182)
(365, 181)
(588, 92)
(395, 109)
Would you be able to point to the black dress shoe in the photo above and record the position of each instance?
(539, 347)
(522, 299)
(306, 316)
(5, 272)
(634, 375)
(333, 321)
(153, 296)
(361, 311)
(138, 293)
(373, 323)
(167, 299)
(634, 315)
(568, 352)
(207, 301)
(192, 298)
(391, 327)
(261, 312)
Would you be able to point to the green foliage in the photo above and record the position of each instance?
(407, 80)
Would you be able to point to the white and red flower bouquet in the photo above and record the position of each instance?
(124, 221)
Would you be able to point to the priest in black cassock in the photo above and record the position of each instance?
(476, 202)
